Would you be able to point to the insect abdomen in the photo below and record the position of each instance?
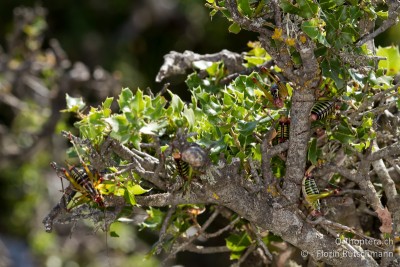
(322, 109)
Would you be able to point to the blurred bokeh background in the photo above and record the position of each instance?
(91, 49)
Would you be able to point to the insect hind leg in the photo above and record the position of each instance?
(60, 171)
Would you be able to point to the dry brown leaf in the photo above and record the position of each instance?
(386, 220)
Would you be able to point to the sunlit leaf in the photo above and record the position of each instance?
(314, 29)
(244, 7)
(74, 104)
(234, 28)
(392, 62)
(238, 243)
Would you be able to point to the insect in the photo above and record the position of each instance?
(183, 168)
(322, 109)
(277, 91)
(83, 180)
(312, 195)
(283, 130)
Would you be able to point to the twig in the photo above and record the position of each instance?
(222, 230)
(69, 193)
(393, 149)
(394, 10)
(178, 63)
(260, 242)
(194, 237)
(164, 228)
(387, 182)
(206, 250)
(255, 25)
(249, 250)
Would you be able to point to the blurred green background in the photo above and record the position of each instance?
(126, 38)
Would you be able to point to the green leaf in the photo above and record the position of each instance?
(138, 103)
(314, 29)
(153, 128)
(244, 7)
(74, 104)
(247, 128)
(114, 234)
(304, 8)
(125, 98)
(382, 14)
(137, 189)
(238, 243)
(344, 133)
(154, 219)
(312, 151)
(130, 198)
(392, 62)
(288, 7)
(189, 115)
(308, 8)
(176, 103)
(234, 28)
(333, 69)
(330, 4)
(107, 103)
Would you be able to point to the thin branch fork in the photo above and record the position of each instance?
(194, 237)
(394, 11)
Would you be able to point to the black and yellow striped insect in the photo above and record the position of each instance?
(183, 168)
(312, 195)
(283, 130)
(322, 109)
(83, 180)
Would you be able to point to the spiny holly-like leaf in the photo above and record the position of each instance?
(308, 8)
(125, 99)
(74, 104)
(333, 69)
(114, 234)
(314, 29)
